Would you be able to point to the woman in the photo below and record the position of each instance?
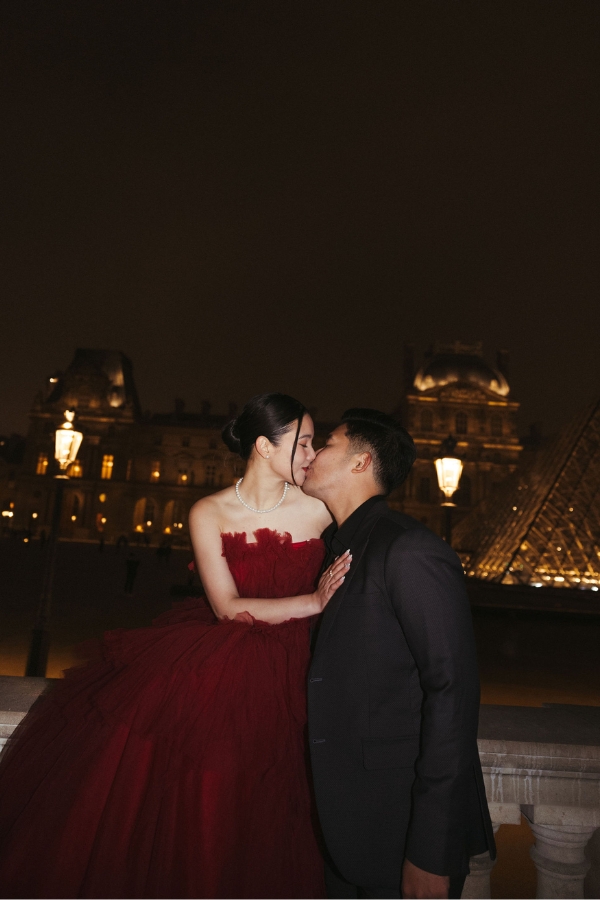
(175, 766)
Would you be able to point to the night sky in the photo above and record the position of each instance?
(249, 196)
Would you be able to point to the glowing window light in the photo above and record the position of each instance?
(106, 470)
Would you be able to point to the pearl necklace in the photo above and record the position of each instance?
(251, 508)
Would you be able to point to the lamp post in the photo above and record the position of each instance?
(66, 445)
(449, 469)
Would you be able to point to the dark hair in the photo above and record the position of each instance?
(390, 445)
(268, 415)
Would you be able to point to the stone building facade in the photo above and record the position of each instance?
(137, 475)
(456, 393)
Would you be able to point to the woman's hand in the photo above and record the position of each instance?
(331, 579)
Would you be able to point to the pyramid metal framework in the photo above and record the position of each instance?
(542, 526)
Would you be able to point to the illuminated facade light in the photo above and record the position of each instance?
(106, 470)
(42, 464)
(102, 498)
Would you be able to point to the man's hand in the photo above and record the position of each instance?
(417, 883)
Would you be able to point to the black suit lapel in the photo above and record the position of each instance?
(360, 543)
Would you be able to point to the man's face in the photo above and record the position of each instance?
(331, 468)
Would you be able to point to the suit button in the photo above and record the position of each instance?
(318, 740)
(312, 680)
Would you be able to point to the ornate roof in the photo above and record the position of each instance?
(97, 382)
(461, 363)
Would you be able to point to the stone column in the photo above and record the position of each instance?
(477, 885)
(560, 859)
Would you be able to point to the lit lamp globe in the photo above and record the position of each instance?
(67, 443)
(449, 469)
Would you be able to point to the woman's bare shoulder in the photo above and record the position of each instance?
(312, 507)
(213, 506)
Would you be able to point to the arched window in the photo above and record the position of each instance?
(174, 517)
(149, 513)
(426, 420)
(168, 517)
(461, 423)
(144, 514)
(138, 514)
(496, 425)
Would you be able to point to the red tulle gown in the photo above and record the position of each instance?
(175, 766)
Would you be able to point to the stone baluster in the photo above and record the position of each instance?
(477, 885)
(592, 853)
(559, 857)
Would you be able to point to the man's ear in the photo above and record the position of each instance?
(362, 462)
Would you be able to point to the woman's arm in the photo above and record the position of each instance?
(220, 588)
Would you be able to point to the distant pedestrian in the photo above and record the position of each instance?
(122, 541)
(132, 564)
(101, 544)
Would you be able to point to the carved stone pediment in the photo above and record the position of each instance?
(463, 394)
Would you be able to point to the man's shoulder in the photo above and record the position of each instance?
(407, 534)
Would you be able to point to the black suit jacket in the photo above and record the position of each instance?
(393, 699)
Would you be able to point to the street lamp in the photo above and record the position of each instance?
(66, 446)
(449, 469)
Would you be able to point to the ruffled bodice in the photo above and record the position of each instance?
(272, 566)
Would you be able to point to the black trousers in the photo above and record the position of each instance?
(338, 887)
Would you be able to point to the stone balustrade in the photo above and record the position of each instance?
(542, 763)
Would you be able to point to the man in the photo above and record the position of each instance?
(393, 689)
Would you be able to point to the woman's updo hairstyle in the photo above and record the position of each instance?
(268, 415)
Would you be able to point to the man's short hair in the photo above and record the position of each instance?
(390, 445)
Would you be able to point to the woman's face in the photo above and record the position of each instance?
(281, 455)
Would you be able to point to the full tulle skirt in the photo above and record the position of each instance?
(173, 765)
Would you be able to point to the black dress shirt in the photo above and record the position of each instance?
(338, 540)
